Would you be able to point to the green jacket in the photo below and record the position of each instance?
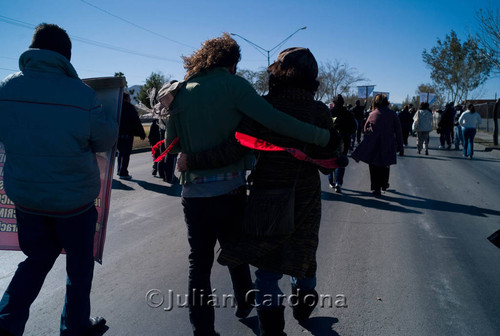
(208, 109)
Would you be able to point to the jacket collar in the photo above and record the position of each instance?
(46, 61)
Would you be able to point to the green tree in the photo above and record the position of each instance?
(153, 84)
(456, 68)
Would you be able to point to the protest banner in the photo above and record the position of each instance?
(427, 97)
(109, 91)
(365, 91)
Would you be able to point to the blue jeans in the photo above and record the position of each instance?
(469, 134)
(42, 238)
(267, 291)
(208, 220)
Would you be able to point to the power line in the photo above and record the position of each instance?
(137, 26)
(87, 41)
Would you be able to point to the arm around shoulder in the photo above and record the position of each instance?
(257, 108)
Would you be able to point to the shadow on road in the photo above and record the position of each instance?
(408, 203)
(318, 326)
(321, 326)
(120, 185)
(167, 189)
(365, 199)
(430, 204)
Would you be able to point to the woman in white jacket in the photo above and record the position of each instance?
(422, 124)
(469, 120)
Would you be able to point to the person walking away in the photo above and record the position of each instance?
(405, 118)
(130, 126)
(459, 138)
(359, 114)
(470, 120)
(49, 116)
(345, 124)
(156, 134)
(211, 104)
(422, 124)
(292, 84)
(446, 126)
(383, 137)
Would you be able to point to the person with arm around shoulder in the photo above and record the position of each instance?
(469, 121)
(206, 112)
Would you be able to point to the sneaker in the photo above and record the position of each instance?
(331, 185)
(386, 187)
(97, 325)
(338, 189)
(441, 147)
(125, 177)
(376, 192)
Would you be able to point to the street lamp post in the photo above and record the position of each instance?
(272, 49)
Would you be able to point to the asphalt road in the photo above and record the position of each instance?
(415, 261)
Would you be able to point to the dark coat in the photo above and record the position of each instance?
(447, 118)
(383, 139)
(130, 124)
(294, 255)
(345, 124)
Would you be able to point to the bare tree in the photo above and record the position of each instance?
(336, 78)
(259, 79)
(488, 35)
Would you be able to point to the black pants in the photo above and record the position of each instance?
(208, 220)
(124, 146)
(379, 177)
(445, 136)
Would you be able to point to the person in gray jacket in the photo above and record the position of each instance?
(52, 126)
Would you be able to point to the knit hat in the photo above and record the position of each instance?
(296, 57)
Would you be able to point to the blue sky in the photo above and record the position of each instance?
(382, 39)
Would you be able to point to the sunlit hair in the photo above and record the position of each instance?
(218, 52)
(424, 106)
(380, 100)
